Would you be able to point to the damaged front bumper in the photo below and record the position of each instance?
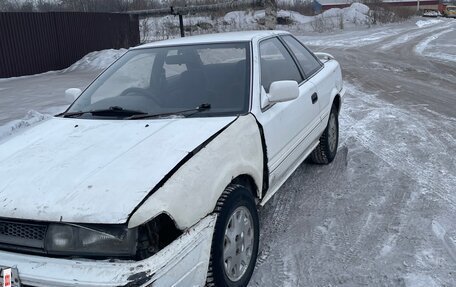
(182, 263)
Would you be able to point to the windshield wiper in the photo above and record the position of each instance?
(111, 111)
(198, 109)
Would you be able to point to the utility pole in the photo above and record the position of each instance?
(181, 20)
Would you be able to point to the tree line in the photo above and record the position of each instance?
(79, 5)
(106, 5)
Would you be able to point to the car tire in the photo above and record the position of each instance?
(326, 150)
(230, 244)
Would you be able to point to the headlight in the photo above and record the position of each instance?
(97, 240)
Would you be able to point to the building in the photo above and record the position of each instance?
(323, 5)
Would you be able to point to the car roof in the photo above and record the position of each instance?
(244, 36)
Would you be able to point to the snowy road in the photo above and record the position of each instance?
(383, 213)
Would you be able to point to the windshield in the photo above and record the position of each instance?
(167, 80)
(451, 8)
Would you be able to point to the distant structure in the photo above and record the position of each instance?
(323, 5)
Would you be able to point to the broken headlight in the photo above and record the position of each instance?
(91, 241)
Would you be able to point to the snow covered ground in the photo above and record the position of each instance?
(383, 213)
(26, 100)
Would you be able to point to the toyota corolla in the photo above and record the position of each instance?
(154, 174)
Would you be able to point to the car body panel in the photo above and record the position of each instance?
(93, 171)
(198, 184)
(182, 263)
(286, 126)
(329, 74)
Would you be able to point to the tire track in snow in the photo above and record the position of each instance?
(447, 242)
(433, 175)
(412, 34)
(423, 45)
(275, 224)
(350, 40)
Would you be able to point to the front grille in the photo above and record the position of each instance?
(22, 230)
(23, 234)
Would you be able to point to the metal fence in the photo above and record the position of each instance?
(32, 43)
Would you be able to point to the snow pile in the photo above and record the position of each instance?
(251, 19)
(97, 60)
(30, 119)
(432, 13)
(159, 28)
(425, 23)
(244, 18)
(297, 18)
(357, 13)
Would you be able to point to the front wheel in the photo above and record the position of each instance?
(326, 150)
(235, 241)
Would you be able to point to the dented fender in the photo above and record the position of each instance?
(193, 190)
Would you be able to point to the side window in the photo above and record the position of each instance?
(307, 61)
(276, 64)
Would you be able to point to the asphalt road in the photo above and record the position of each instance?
(383, 213)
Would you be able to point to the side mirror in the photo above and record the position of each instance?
(283, 91)
(72, 94)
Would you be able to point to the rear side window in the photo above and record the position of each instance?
(307, 61)
(276, 64)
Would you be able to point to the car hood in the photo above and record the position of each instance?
(93, 171)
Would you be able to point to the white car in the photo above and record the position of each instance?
(153, 175)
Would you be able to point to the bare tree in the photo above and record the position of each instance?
(271, 14)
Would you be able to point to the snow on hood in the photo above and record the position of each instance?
(31, 118)
(93, 171)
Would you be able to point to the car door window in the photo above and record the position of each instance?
(276, 63)
(305, 58)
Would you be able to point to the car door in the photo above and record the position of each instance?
(286, 125)
(315, 71)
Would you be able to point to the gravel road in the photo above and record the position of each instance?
(383, 213)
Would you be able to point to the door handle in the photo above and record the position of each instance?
(314, 98)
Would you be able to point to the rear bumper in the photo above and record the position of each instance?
(183, 263)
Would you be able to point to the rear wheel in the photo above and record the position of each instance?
(326, 150)
(235, 241)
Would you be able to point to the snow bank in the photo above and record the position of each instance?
(158, 28)
(249, 18)
(297, 18)
(357, 13)
(425, 23)
(31, 118)
(97, 60)
(244, 18)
